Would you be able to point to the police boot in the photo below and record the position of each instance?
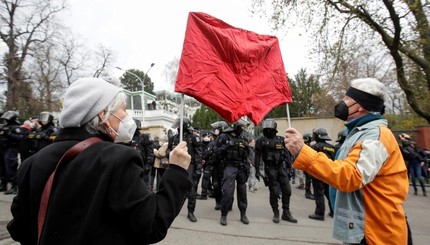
(217, 206)
(309, 195)
(13, 190)
(275, 216)
(202, 197)
(191, 217)
(316, 217)
(244, 219)
(223, 220)
(211, 194)
(286, 215)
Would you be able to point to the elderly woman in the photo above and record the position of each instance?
(98, 196)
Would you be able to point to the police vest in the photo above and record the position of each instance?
(273, 150)
(6, 141)
(237, 150)
(3, 137)
(187, 138)
(328, 149)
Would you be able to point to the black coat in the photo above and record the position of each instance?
(99, 197)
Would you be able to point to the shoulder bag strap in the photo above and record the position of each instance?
(71, 153)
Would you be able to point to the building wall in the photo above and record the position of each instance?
(308, 124)
(423, 137)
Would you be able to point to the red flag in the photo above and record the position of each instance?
(231, 70)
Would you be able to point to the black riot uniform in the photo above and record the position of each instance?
(143, 143)
(24, 146)
(11, 134)
(271, 149)
(206, 168)
(45, 135)
(213, 162)
(341, 136)
(321, 189)
(233, 150)
(195, 150)
(308, 178)
(146, 149)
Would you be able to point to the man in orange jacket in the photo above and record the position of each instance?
(369, 172)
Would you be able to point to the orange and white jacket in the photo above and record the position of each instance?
(371, 181)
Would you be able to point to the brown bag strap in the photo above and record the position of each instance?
(71, 153)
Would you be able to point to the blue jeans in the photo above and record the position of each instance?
(415, 172)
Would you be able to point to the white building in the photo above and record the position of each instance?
(159, 111)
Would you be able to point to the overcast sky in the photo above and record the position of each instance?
(145, 32)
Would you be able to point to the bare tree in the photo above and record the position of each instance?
(73, 57)
(46, 77)
(398, 27)
(104, 59)
(171, 72)
(23, 26)
(358, 60)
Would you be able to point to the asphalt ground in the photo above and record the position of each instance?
(261, 230)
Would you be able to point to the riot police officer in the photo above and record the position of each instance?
(213, 162)
(308, 178)
(10, 138)
(44, 135)
(321, 189)
(147, 152)
(25, 145)
(341, 136)
(232, 149)
(195, 150)
(206, 168)
(143, 143)
(271, 149)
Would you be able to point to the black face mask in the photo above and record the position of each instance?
(341, 110)
(238, 130)
(269, 133)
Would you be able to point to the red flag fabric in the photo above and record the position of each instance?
(231, 70)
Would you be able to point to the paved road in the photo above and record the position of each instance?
(261, 229)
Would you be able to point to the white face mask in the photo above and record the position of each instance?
(126, 129)
(216, 132)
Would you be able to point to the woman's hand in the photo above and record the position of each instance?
(179, 156)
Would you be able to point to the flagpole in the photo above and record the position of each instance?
(288, 116)
(181, 120)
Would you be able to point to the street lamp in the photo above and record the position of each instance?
(143, 86)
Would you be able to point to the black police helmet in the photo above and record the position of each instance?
(270, 123)
(45, 118)
(204, 133)
(138, 123)
(12, 117)
(221, 125)
(307, 138)
(341, 136)
(237, 126)
(320, 134)
(186, 124)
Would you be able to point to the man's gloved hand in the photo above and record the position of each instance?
(257, 174)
